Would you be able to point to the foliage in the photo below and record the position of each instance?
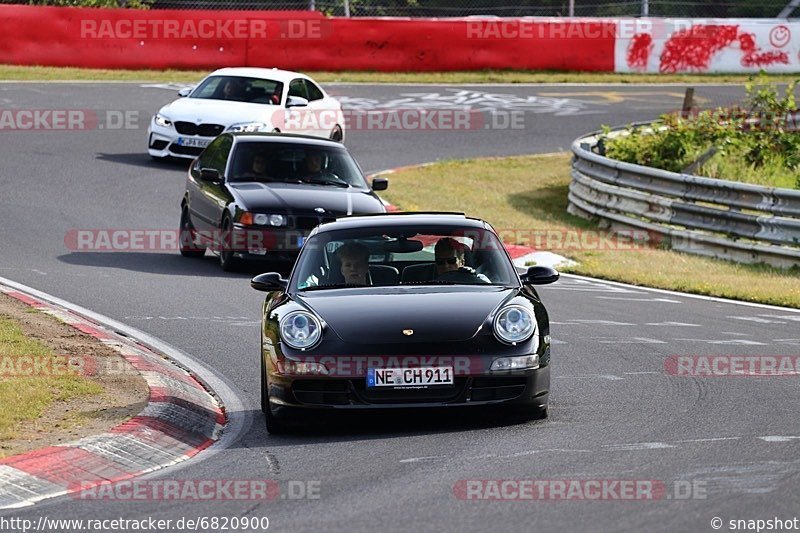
(753, 143)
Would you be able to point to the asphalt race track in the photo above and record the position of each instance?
(615, 413)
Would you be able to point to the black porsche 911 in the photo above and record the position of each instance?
(403, 311)
(258, 195)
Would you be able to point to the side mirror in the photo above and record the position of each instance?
(296, 101)
(271, 281)
(186, 91)
(539, 275)
(211, 175)
(380, 184)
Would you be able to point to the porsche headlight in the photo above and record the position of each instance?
(249, 127)
(161, 120)
(514, 324)
(301, 330)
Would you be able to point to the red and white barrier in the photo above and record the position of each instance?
(707, 46)
(305, 40)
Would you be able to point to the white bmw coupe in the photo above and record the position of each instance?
(245, 100)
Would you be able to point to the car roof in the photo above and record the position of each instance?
(264, 73)
(269, 137)
(402, 219)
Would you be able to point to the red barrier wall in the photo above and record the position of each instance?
(135, 39)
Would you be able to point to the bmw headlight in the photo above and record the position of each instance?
(301, 330)
(514, 324)
(161, 120)
(270, 220)
(249, 127)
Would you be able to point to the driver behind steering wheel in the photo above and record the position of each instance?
(315, 161)
(450, 263)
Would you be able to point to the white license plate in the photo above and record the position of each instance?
(410, 377)
(197, 143)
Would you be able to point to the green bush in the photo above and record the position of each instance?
(752, 142)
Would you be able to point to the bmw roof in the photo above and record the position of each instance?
(264, 73)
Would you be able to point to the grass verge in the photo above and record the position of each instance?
(27, 397)
(39, 73)
(527, 196)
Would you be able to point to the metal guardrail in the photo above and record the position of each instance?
(736, 221)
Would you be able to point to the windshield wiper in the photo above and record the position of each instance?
(337, 183)
(431, 282)
(333, 286)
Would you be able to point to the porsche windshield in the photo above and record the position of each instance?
(406, 255)
(275, 161)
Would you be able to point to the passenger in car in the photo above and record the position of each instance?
(354, 260)
(257, 170)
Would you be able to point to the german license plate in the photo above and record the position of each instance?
(410, 377)
(196, 143)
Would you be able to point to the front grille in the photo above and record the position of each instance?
(501, 388)
(321, 392)
(204, 130)
(185, 150)
(159, 145)
(308, 222)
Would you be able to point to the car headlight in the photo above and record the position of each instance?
(270, 220)
(301, 330)
(262, 219)
(161, 120)
(522, 362)
(249, 127)
(514, 324)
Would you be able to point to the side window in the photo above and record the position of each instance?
(298, 88)
(314, 92)
(216, 154)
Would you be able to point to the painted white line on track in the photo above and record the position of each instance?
(779, 438)
(674, 324)
(655, 300)
(732, 342)
(638, 446)
(680, 294)
(627, 340)
(609, 377)
(711, 439)
(418, 459)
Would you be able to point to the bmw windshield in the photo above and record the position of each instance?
(292, 162)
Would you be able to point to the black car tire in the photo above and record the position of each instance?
(188, 245)
(226, 258)
(274, 426)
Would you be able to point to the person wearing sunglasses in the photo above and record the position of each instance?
(450, 264)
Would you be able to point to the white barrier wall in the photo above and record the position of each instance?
(713, 45)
